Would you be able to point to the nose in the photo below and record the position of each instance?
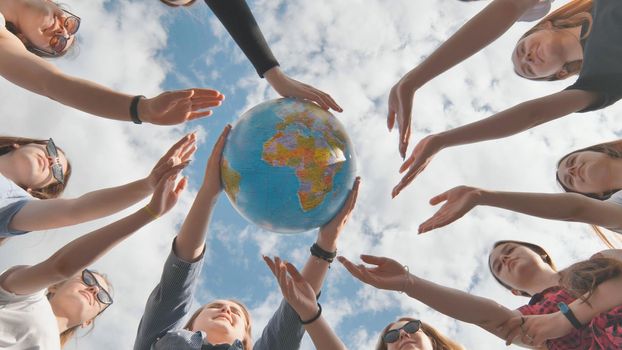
(225, 308)
(404, 334)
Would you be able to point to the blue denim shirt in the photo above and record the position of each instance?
(161, 326)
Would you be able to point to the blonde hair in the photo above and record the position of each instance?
(582, 278)
(571, 15)
(613, 149)
(50, 191)
(439, 340)
(247, 341)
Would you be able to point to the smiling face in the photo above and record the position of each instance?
(77, 301)
(540, 54)
(516, 265)
(40, 22)
(416, 341)
(587, 172)
(223, 320)
(33, 166)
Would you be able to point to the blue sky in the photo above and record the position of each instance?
(355, 50)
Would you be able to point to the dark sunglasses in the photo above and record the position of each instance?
(57, 168)
(102, 295)
(394, 335)
(58, 42)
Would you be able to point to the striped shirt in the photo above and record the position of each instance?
(161, 326)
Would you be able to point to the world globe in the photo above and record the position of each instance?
(288, 166)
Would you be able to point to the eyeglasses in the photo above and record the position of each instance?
(102, 295)
(394, 335)
(58, 42)
(57, 168)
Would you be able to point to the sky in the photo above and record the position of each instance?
(355, 50)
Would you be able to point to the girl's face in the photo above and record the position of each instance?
(587, 172)
(32, 165)
(515, 264)
(540, 54)
(42, 21)
(224, 318)
(77, 301)
(416, 341)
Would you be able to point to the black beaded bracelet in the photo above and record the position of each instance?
(318, 252)
(134, 109)
(319, 313)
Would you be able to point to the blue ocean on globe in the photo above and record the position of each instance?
(288, 166)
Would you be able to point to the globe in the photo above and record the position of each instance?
(288, 166)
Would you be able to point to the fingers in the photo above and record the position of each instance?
(198, 115)
(439, 198)
(390, 118)
(404, 137)
(206, 93)
(416, 168)
(296, 276)
(511, 328)
(373, 260)
(351, 201)
(270, 264)
(181, 186)
(353, 269)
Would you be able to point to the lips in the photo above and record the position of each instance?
(406, 343)
(88, 296)
(226, 317)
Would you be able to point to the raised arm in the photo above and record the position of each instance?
(54, 213)
(237, 18)
(83, 251)
(391, 275)
(503, 124)
(481, 30)
(556, 206)
(35, 74)
(302, 297)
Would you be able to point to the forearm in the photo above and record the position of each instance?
(458, 305)
(191, 237)
(518, 118)
(83, 251)
(237, 18)
(557, 206)
(476, 34)
(323, 336)
(605, 297)
(315, 269)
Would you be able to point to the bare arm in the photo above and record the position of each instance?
(85, 250)
(557, 206)
(35, 74)
(54, 213)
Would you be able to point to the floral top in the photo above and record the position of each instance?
(604, 332)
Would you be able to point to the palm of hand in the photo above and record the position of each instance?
(302, 299)
(388, 275)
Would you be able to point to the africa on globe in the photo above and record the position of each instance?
(288, 165)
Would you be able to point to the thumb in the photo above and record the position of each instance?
(374, 260)
(439, 198)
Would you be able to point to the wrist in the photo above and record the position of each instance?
(327, 244)
(142, 109)
(412, 80)
(273, 74)
(409, 285)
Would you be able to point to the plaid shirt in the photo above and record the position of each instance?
(604, 332)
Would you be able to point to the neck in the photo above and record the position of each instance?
(63, 324)
(7, 168)
(572, 44)
(541, 281)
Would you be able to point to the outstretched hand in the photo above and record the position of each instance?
(458, 201)
(385, 274)
(175, 107)
(298, 292)
(535, 330)
(400, 108)
(330, 231)
(418, 160)
(212, 180)
(288, 87)
(166, 193)
(177, 157)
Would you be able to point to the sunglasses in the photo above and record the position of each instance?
(102, 295)
(58, 42)
(57, 169)
(394, 335)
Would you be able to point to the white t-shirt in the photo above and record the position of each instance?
(2, 20)
(27, 322)
(12, 199)
(617, 199)
(538, 11)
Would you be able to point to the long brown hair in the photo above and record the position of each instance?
(546, 257)
(573, 14)
(613, 149)
(582, 278)
(70, 333)
(439, 340)
(53, 190)
(247, 341)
